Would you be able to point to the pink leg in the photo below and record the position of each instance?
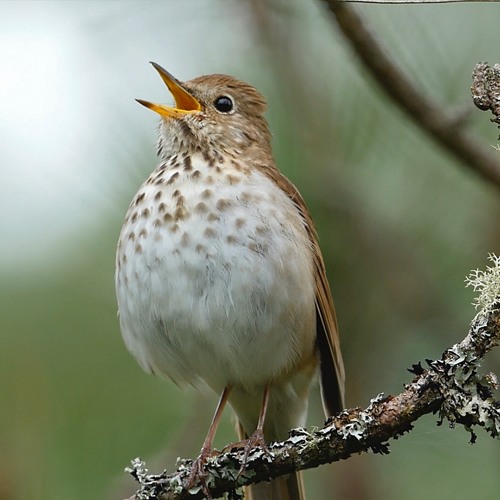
(263, 411)
(198, 469)
(257, 438)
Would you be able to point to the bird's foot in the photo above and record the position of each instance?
(198, 472)
(249, 444)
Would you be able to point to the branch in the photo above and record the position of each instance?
(486, 89)
(451, 386)
(444, 127)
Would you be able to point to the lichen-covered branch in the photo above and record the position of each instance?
(486, 89)
(451, 386)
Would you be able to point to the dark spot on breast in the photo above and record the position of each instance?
(222, 204)
(210, 232)
(172, 179)
(208, 159)
(261, 230)
(158, 195)
(239, 223)
(201, 208)
(180, 213)
(158, 175)
(232, 179)
(187, 164)
(139, 198)
(258, 248)
(145, 213)
(207, 194)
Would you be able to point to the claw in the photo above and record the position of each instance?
(255, 440)
(198, 472)
(249, 444)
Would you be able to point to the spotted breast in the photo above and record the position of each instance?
(212, 263)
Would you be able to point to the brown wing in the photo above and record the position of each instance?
(332, 375)
(331, 362)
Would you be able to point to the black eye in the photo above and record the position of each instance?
(223, 104)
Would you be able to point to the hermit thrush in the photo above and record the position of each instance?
(219, 274)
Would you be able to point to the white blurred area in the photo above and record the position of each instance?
(72, 138)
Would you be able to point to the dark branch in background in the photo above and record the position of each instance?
(486, 89)
(451, 387)
(441, 125)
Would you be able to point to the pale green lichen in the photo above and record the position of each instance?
(487, 283)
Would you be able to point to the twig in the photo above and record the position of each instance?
(441, 125)
(450, 386)
(486, 89)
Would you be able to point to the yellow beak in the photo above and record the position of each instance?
(185, 103)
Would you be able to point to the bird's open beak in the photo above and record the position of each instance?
(185, 103)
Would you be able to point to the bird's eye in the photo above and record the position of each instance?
(223, 104)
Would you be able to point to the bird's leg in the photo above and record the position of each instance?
(198, 472)
(257, 438)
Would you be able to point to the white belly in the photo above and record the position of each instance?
(215, 281)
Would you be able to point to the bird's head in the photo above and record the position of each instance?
(215, 114)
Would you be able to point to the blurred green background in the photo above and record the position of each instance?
(400, 222)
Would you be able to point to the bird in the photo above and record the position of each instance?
(220, 280)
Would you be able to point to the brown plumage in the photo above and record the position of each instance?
(220, 277)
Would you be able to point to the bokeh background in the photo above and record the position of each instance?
(401, 224)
